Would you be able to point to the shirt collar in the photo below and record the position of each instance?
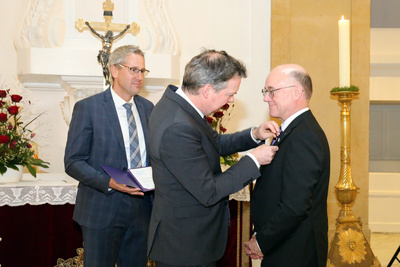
(180, 92)
(286, 123)
(118, 100)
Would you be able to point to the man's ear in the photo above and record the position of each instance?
(113, 71)
(206, 90)
(298, 90)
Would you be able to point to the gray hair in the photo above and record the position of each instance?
(304, 79)
(211, 67)
(119, 54)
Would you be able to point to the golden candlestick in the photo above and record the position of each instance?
(349, 246)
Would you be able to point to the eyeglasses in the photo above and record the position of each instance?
(270, 90)
(134, 70)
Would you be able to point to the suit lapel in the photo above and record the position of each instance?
(206, 128)
(293, 125)
(142, 115)
(111, 112)
(143, 120)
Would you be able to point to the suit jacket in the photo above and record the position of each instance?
(189, 222)
(289, 201)
(94, 139)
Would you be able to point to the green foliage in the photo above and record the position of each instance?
(352, 88)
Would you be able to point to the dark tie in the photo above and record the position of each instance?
(276, 138)
(133, 138)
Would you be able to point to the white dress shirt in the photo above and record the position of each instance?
(123, 121)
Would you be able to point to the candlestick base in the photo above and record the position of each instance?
(349, 247)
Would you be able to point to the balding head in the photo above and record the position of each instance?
(288, 89)
(297, 74)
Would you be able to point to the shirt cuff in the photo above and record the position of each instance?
(251, 134)
(257, 242)
(254, 159)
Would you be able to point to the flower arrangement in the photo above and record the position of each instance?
(15, 137)
(217, 121)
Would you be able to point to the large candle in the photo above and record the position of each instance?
(344, 52)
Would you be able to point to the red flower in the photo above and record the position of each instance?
(13, 110)
(3, 93)
(13, 143)
(225, 107)
(3, 117)
(32, 135)
(28, 145)
(4, 139)
(223, 129)
(218, 114)
(10, 127)
(2, 103)
(16, 98)
(210, 120)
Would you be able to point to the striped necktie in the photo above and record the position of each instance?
(134, 148)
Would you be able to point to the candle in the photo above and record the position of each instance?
(344, 52)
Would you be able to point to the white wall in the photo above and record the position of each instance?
(384, 188)
(239, 27)
(384, 202)
(242, 28)
(385, 64)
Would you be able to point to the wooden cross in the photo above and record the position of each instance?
(108, 8)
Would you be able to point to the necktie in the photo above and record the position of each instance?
(276, 138)
(135, 159)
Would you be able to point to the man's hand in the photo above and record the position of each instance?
(264, 153)
(252, 250)
(125, 189)
(266, 130)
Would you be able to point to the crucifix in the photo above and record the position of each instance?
(108, 37)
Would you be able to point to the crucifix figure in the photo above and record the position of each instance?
(108, 38)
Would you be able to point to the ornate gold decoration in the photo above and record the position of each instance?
(76, 261)
(349, 246)
(345, 189)
(352, 246)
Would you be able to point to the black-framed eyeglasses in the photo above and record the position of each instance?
(270, 90)
(134, 70)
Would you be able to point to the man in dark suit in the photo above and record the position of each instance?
(114, 218)
(288, 204)
(189, 223)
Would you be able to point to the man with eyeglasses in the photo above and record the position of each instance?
(190, 218)
(289, 201)
(110, 128)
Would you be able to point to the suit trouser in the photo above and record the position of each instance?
(124, 241)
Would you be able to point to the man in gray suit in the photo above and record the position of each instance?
(189, 223)
(114, 218)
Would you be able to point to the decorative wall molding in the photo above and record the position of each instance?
(41, 25)
(44, 62)
(165, 42)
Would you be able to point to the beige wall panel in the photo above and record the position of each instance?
(306, 32)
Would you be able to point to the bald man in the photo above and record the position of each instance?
(289, 202)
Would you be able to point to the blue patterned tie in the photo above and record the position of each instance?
(133, 138)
